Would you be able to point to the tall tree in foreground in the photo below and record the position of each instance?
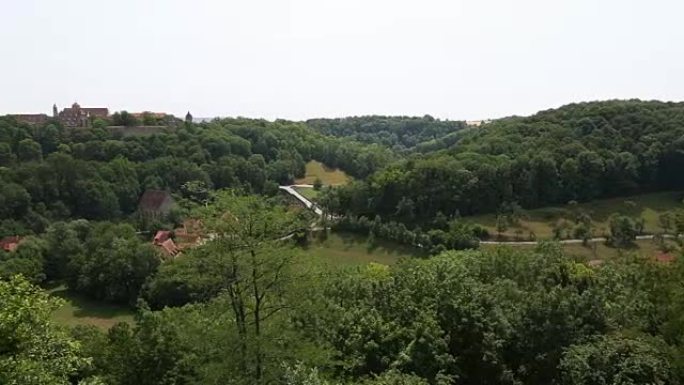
(33, 351)
(252, 237)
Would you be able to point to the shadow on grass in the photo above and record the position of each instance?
(84, 307)
(351, 242)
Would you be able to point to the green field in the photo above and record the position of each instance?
(346, 249)
(79, 310)
(328, 176)
(540, 221)
(338, 250)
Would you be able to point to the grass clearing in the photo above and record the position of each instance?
(79, 310)
(342, 249)
(329, 176)
(540, 221)
(308, 193)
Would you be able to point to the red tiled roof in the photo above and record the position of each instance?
(664, 257)
(10, 243)
(153, 114)
(161, 236)
(169, 247)
(101, 112)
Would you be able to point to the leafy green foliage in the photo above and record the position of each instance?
(33, 351)
(114, 265)
(617, 360)
(499, 317)
(623, 230)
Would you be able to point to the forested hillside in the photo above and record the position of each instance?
(52, 173)
(234, 284)
(579, 152)
(397, 133)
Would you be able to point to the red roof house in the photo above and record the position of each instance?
(161, 237)
(169, 248)
(10, 244)
(665, 258)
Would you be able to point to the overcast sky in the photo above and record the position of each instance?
(298, 59)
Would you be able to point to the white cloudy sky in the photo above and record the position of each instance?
(460, 59)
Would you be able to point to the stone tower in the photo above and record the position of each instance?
(54, 111)
(188, 118)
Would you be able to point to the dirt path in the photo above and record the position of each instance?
(567, 241)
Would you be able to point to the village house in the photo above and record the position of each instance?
(10, 244)
(188, 235)
(665, 258)
(163, 240)
(155, 204)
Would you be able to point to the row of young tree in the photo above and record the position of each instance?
(445, 235)
(579, 152)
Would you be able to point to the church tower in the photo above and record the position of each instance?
(54, 111)
(188, 118)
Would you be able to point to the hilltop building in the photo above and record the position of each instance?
(477, 123)
(76, 116)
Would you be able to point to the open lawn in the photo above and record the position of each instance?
(347, 249)
(328, 176)
(79, 310)
(308, 192)
(540, 221)
(598, 250)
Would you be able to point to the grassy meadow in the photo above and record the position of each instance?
(339, 250)
(79, 310)
(329, 176)
(540, 221)
(346, 249)
(308, 192)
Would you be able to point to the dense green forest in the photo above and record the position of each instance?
(398, 133)
(247, 304)
(53, 173)
(579, 153)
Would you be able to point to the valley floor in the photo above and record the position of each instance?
(539, 222)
